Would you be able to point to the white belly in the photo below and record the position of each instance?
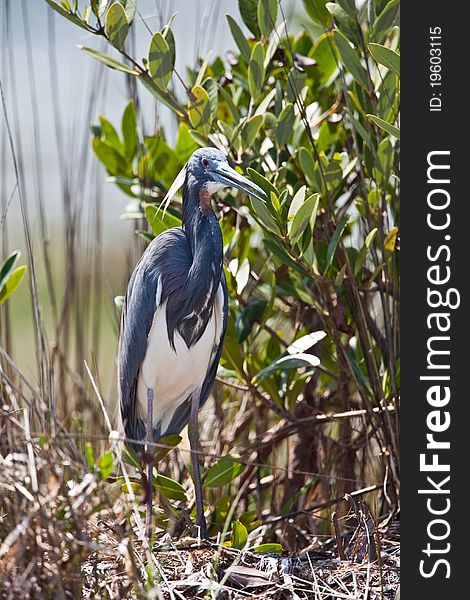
(175, 374)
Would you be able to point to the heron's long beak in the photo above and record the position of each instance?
(229, 177)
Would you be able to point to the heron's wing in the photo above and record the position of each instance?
(182, 413)
(142, 299)
(209, 380)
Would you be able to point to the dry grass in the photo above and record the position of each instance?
(66, 534)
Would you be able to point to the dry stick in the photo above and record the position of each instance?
(339, 541)
(31, 460)
(280, 433)
(317, 507)
(153, 562)
(118, 438)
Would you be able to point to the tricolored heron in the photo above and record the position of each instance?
(175, 315)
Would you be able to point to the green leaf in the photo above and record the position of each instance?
(384, 21)
(285, 125)
(388, 127)
(304, 343)
(239, 38)
(251, 129)
(110, 157)
(297, 201)
(390, 240)
(160, 60)
(284, 363)
(263, 183)
(262, 212)
(116, 25)
(247, 317)
(349, 6)
(345, 23)
(306, 213)
(384, 157)
(11, 283)
(199, 109)
(185, 144)
(250, 520)
(266, 16)
(278, 251)
(171, 441)
(239, 536)
(8, 266)
(89, 456)
(339, 279)
(232, 354)
(242, 275)
(225, 470)
(162, 96)
(335, 240)
(265, 102)
(386, 57)
(129, 130)
(169, 488)
(219, 515)
(109, 61)
(99, 7)
(110, 134)
(105, 465)
(308, 166)
(256, 70)
(135, 487)
(361, 257)
(350, 59)
(317, 11)
(130, 457)
(210, 85)
(68, 14)
(249, 13)
(324, 54)
(333, 173)
(130, 8)
(170, 40)
(159, 222)
(267, 549)
(296, 80)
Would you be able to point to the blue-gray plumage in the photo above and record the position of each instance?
(175, 316)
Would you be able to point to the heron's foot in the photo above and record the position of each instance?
(199, 528)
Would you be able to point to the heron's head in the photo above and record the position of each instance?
(210, 168)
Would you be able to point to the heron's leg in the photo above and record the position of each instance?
(149, 455)
(193, 432)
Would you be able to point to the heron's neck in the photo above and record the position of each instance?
(193, 308)
(204, 236)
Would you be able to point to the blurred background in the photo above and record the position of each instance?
(53, 92)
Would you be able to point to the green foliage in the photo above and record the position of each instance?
(116, 25)
(223, 472)
(161, 60)
(10, 276)
(102, 468)
(385, 56)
